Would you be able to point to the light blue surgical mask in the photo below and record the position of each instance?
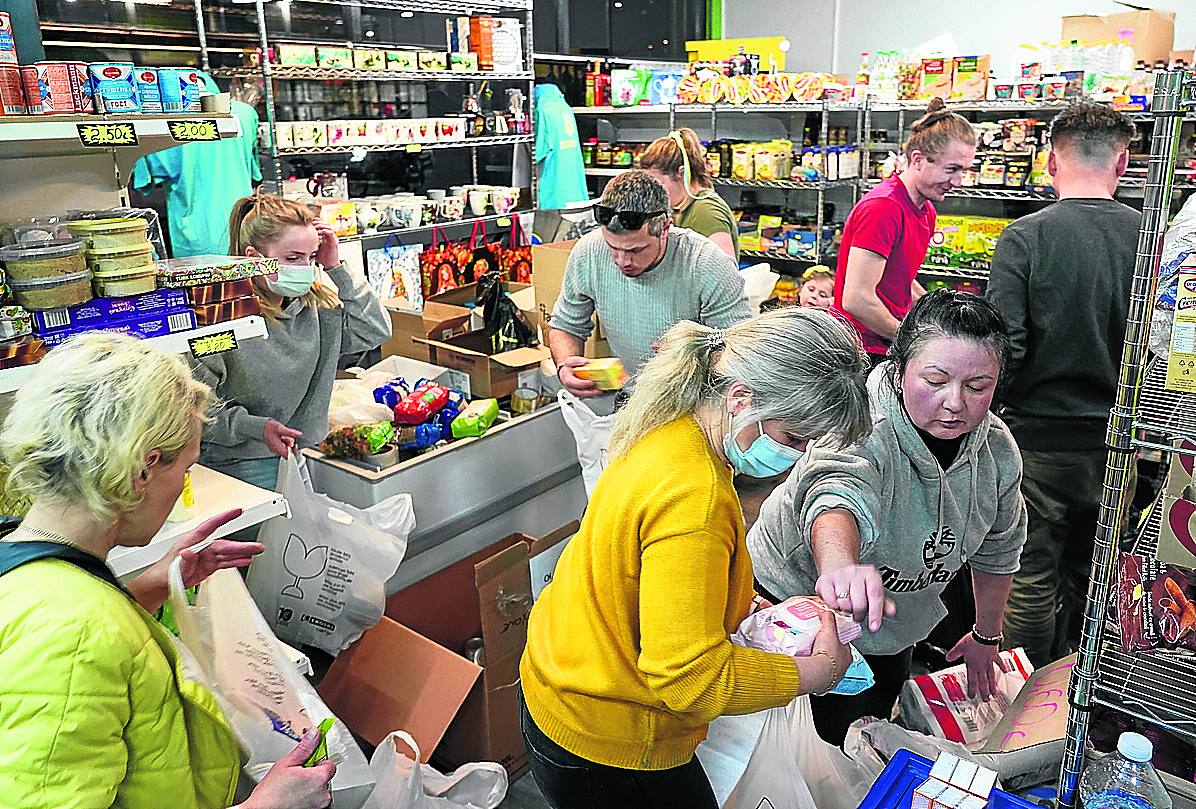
(857, 678)
(294, 280)
(765, 458)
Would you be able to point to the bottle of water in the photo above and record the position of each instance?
(1125, 779)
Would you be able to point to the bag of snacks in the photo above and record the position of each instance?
(1156, 605)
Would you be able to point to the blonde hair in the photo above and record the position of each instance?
(933, 132)
(80, 429)
(668, 156)
(260, 220)
(803, 366)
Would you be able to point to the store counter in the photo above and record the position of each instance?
(521, 477)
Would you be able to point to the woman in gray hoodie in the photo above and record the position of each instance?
(881, 529)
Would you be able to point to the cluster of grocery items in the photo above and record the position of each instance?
(781, 160)
(965, 242)
(707, 83)
(405, 210)
(790, 234)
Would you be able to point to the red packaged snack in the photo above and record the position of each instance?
(421, 404)
(1156, 605)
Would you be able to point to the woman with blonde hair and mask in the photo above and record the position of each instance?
(276, 391)
(678, 162)
(628, 655)
(96, 708)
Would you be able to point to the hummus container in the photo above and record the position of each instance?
(104, 234)
(34, 261)
(53, 293)
(126, 283)
(115, 259)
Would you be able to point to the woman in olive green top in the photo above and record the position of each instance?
(678, 162)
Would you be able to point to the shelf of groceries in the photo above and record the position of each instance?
(873, 104)
(27, 136)
(777, 185)
(471, 143)
(317, 73)
(436, 6)
(501, 219)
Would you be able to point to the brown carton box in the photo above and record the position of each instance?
(1150, 31)
(548, 275)
(495, 375)
(405, 327)
(448, 314)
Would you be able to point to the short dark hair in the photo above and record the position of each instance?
(637, 191)
(948, 313)
(1094, 133)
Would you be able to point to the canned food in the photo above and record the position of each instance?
(114, 86)
(179, 88)
(8, 45)
(29, 86)
(148, 89)
(50, 89)
(81, 84)
(12, 91)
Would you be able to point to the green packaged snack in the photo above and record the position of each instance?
(475, 419)
(321, 753)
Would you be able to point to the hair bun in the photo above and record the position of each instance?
(936, 105)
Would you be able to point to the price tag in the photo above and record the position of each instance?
(415, 147)
(105, 135)
(211, 344)
(504, 222)
(194, 131)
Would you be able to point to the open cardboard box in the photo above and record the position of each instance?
(409, 673)
(405, 326)
(451, 313)
(548, 274)
(493, 375)
(1151, 32)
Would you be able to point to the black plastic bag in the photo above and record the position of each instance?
(505, 325)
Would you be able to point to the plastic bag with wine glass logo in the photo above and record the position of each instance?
(322, 578)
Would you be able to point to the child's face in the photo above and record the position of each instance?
(817, 292)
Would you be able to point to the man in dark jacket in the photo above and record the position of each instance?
(1061, 277)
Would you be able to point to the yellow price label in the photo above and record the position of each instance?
(194, 131)
(212, 344)
(502, 223)
(104, 135)
(415, 147)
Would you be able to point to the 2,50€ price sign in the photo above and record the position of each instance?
(194, 131)
(104, 135)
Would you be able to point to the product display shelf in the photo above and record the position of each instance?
(305, 73)
(957, 273)
(577, 58)
(982, 192)
(468, 143)
(603, 171)
(58, 135)
(778, 255)
(786, 185)
(214, 493)
(1164, 413)
(456, 223)
(246, 328)
(434, 6)
(1155, 686)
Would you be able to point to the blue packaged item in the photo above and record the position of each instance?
(392, 392)
(179, 88)
(894, 788)
(114, 87)
(426, 435)
(857, 678)
(148, 89)
(102, 311)
(662, 88)
(802, 244)
(152, 325)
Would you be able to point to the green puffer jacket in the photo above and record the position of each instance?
(94, 709)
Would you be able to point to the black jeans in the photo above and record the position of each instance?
(833, 714)
(571, 782)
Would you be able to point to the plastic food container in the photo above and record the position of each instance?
(53, 293)
(115, 259)
(126, 283)
(32, 261)
(102, 234)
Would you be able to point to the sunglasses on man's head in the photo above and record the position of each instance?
(629, 220)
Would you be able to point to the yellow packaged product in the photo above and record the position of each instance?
(947, 243)
(607, 373)
(711, 90)
(980, 240)
(765, 162)
(738, 89)
(936, 79)
(743, 163)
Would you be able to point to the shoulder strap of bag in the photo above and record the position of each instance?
(16, 554)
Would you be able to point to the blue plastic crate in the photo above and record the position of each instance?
(894, 789)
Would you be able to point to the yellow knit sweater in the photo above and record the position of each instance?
(628, 657)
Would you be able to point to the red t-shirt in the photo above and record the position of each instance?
(886, 222)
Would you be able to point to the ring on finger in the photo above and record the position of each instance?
(842, 595)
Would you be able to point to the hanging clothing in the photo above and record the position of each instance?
(558, 150)
(202, 181)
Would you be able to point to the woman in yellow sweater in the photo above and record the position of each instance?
(628, 654)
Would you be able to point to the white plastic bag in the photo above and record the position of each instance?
(404, 783)
(322, 578)
(758, 283)
(592, 434)
(792, 768)
(353, 403)
(228, 646)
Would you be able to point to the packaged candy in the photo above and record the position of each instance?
(475, 419)
(1156, 605)
(359, 442)
(392, 392)
(421, 404)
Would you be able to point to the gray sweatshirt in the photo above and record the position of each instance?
(694, 281)
(289, 375)
(918, 524)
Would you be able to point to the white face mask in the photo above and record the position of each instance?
(294, 280)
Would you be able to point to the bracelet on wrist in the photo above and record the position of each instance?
(987, 640)
(834, 679)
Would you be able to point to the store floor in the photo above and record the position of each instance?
(725, 752)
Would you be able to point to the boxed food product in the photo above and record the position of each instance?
(13, 327)
(969, 78)
(339, 214)
(403, 61)
(12, 91)
(200, 270)
(209, 313)
(334, 57)
(25, 350)
(1181, 362)
(151, 325)
(296, 55)
(481, 39)
(507, 41)
(463, 62)
(215, 293)
(1156, 605)
(433, 60)
(947, 243)
(104, 310)
(936, 79)
(980, 240)
(369, 59)
(629, 86)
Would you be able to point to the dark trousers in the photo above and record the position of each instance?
(833, 714)
(571, 782)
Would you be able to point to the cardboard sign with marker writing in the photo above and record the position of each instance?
(1038, 715)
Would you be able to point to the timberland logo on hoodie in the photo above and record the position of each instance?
(937, 547)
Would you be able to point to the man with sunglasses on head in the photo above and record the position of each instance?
(640, 275)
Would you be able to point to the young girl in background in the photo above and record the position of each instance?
(817, 287)
(276, 391)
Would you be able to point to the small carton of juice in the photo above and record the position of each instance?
(1181, 362)
(607, 374)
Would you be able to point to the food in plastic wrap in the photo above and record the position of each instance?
(104, 311)
(1156, 605)
(475, 419)
(201, 270)
(421, 404)
(358, 442)
(607, 373)
(789, 627)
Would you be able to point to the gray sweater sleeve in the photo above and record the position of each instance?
(574, 309)
(231, 423)
(366, 324)
(723, 301)
(1000, 553)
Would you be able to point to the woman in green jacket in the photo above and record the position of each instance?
(95, 710)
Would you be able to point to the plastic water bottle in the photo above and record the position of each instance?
(1125, 779)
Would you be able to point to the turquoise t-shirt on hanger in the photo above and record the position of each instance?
(558, 150)
(202, 181)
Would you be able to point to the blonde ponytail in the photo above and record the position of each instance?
(804, 367)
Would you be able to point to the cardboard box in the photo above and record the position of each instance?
(1177, 529)
(449, 314)
(405, 326)
(1037, 717)
(481, 40)
(1150, 31)
(409, 671)
(495, 375)
(548, 274)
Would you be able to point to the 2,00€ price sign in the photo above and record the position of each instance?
(194, 131)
